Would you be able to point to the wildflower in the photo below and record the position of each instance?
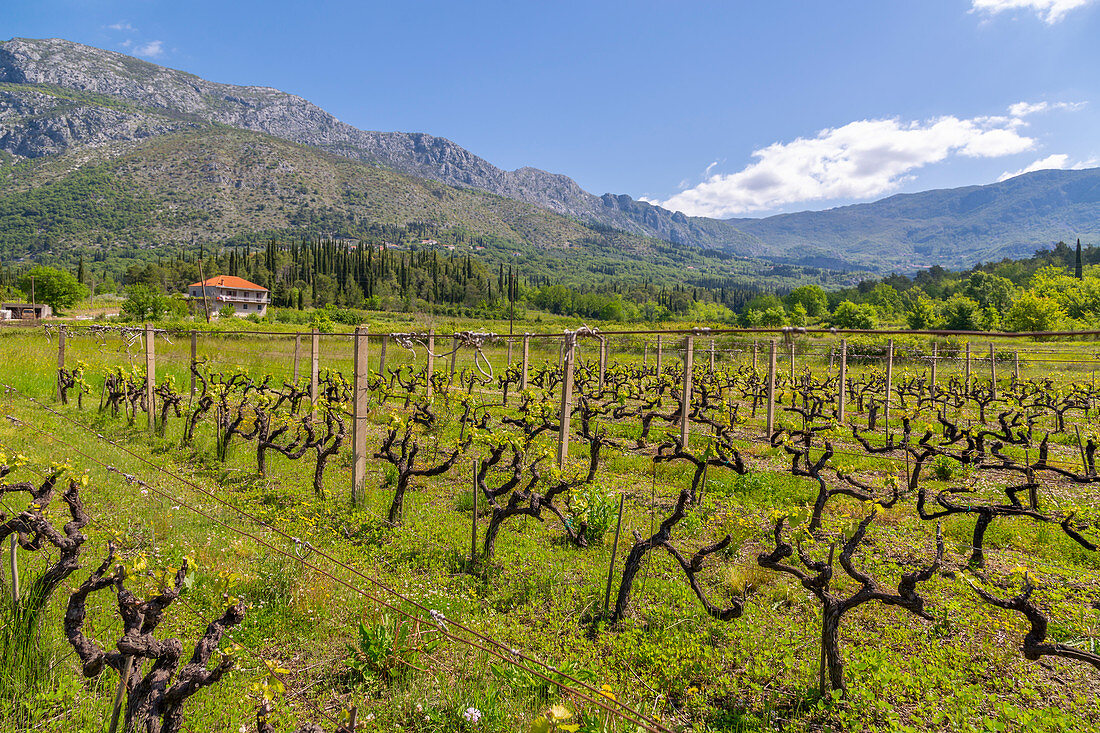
(472, 715)
(419, 708)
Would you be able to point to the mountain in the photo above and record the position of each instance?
(120, 203)
(62, 94)
(88, 106)
(955, 227)
(218, 182)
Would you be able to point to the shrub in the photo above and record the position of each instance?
(943, 468)
(595, 507)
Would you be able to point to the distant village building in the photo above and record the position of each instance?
(246, 298)
(24, 311)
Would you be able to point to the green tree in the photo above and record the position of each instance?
(810, 297)
(773, 317)
(886, 298)
(1033, 312)
(961, 313)
(58, 288)
(798, 316)
(853, 315)
(921, 313)
(990, 291)
(142, 303)
(749, 318)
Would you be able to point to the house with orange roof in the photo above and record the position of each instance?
(246, 298)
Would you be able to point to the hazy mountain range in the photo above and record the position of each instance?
(64, 106)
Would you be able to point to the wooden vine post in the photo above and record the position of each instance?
(712, 356)
(992, 371)
(526, 355)
(566, 400)
(1016, 369)
(658, 355)
(842, 386)
(60, 359)
(382, 357)
(120, 694)
(685, 402)
(297, 354)
(359, 425)
(603, 363)
(314, 354)
(614, 551)
(889, 383)
(791, 351)
(473, 519)
(454, 359)
(150, 376)
(194, 359)
(771, 390)
(14, 560)
(967, 368)
(755, 349)
(430, 369)
(509, 351)
(935, 363)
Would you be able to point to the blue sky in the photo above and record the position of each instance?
(717, 108)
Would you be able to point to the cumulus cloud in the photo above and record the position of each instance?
(150, 50)
(1057, 161)
(1051, 11)
(859, 160)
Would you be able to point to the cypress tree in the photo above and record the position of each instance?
(1078, 269)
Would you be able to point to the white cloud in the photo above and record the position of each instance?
(859, 160)
(151, 50)
(1023, 109)
(122, 26)
(1057, 161)
(1051, 11)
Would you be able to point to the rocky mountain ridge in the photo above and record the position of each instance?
(155, 91)
(58, 96)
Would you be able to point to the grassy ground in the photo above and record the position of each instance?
(962, 671)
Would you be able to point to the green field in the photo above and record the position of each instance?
(318, 610)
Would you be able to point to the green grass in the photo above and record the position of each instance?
(961, 672)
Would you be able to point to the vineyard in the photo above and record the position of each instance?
(582, 531)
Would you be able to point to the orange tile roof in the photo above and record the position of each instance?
(229, 281)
